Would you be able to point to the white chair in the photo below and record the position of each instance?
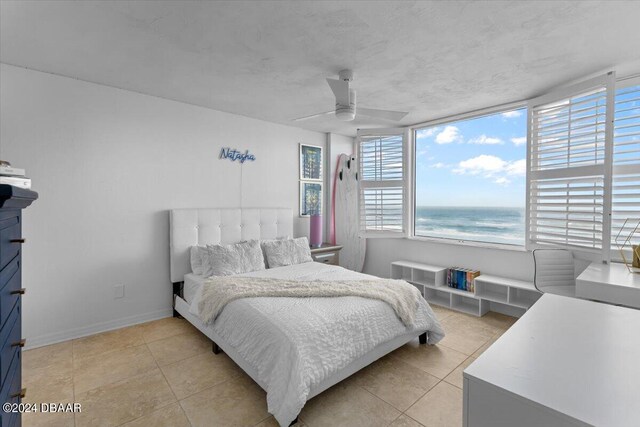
(554, 272)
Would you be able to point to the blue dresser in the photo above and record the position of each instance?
(12, 201)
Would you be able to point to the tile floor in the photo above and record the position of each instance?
(163, 373)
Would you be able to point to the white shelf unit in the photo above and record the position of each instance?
(511, 292)
(491, 293)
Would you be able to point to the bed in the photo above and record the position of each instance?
(294, 348)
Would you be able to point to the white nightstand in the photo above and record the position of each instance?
(326, 254)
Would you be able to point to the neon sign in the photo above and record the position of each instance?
(236, 155)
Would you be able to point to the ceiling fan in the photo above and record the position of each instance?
(346, 102)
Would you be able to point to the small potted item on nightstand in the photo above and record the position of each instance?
(315, 230)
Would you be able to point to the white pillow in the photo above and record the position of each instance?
(197, 252)
(238, 258)
(287, 252)
(264, 250)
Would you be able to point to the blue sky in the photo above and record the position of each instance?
(476, 162)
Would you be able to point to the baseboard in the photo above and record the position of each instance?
(96, 328)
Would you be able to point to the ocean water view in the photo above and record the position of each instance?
(480, 224)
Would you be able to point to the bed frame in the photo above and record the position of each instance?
(189, 227)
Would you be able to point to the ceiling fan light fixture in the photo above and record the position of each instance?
(347, 113)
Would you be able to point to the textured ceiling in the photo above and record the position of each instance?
(268, 60)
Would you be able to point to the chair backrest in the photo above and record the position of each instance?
(553, 267)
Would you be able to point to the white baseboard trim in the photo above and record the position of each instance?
(96, 328)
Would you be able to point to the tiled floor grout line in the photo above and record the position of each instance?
(396, 418)
(145, 343)
(162, 372)
(207, 388)
(423, 395)
(469, 355)
(168, 383)
(264, 419)
(411, 418)
(401, 411)
(378, 397)
(113, 382)
(435, 385)
(163, 338)
(148, 413)
(185, 414)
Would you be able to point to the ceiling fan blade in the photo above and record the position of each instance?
(394, 116)
(313, 116)
(340, 89)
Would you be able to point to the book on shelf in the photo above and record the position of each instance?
(462, 278)
(471, 279)
(16, 181)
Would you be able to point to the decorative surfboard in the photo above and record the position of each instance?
(345, 214)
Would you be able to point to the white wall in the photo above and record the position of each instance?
(108, 164)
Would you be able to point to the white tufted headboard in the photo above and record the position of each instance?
(189, 227)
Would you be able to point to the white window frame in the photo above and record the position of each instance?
(404, 131)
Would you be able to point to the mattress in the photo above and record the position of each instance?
(192, 284)
(295, 344)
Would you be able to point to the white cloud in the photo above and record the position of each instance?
(486, 140)
(519, 140)
(517, 168)
(448, 135)
(484, 163)
(492, 167)
(426, 133)
(511, 114)
(438, 165)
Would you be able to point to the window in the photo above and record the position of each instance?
(381, 177)
(563, 171)
(470, 179)
(625, 204)
(310, 180)
(570, 150)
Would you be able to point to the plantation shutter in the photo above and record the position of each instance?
(625, 204)
(569, 157)
(382, 182)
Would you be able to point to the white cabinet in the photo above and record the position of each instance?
(567, 362)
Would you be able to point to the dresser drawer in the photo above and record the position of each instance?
(10, 393)
(326, 257)
(10, 344)
(10, 290)
(10, 236)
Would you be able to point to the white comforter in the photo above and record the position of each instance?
(296, 343)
